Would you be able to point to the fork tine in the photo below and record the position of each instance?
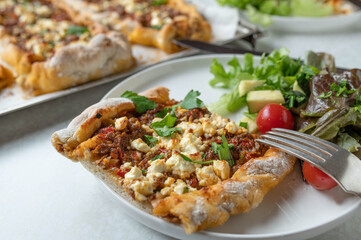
(306, 142)
(294, 152)
(325, 143)
(300, 147)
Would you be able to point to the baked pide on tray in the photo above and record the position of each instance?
(147, 22)
(173, 159)
(50, 52)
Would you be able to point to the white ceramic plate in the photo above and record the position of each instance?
(312, 24)
(293, 210)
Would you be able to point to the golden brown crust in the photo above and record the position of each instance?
(6, 77)
(83, 126)
(71, 65)
(192, 27)
(200, 209)
(212, 206)
(79, 63)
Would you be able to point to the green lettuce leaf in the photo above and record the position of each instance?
(311, 8)
(347, 142)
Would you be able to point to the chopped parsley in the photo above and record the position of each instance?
(243, 124)
(159, 2)
(142, 104)
(150, 140)
(163, 113)
(325, 95)
(157, 157)
(165, 127)
(76, 30)
(185, 189)
(339, 89)
(193, 161)
(143, 171)
(223, 150)
(191, 100)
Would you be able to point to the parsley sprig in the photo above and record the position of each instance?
(142, 104)
(165, 127)
(190, 101)
(223, 150)
(193, 161)
(150, 140)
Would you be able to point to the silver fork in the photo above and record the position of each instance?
(338, 163)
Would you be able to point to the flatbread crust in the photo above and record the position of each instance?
(188, 25)
(78, 62)
(72, 65)
(6, 77)
(208, 207)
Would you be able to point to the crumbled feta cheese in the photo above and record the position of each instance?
(143, 187)
(232, 127)
(180, 187)
(179, 166)
(191, 144)
(121, 123)
(169, 181)
(221, 169)
(208, 129)
(169, 143)
(194, 128)
(218, 121)
(157, 166)
(134, 173)
(166, 191)
(206, 176)
(139, 145)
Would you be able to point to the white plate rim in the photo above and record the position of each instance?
(284, 235)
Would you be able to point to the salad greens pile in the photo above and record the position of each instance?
(259, 11)
(326, 105)
(278, 69)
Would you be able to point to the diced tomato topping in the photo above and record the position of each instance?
(122, 172)
(106, 130)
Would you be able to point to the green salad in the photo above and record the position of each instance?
(311, 90)
(260, 11)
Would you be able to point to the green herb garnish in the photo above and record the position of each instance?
(150, 140)
(159, 2)
(165, 127)
(163, 113)
(158, 27)
(223, 150)
(157, 157)
(193, 161)
(191, 100)
(76, 30)
(243, 124)
(143, 171)
(142, 104)
(325, 95)
(185, 189)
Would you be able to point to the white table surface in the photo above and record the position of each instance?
(45, 196)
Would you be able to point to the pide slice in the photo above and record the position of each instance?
(174, 159)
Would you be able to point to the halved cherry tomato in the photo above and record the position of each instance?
(274, 116)
(316, 178)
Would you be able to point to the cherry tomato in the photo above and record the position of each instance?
(316, 178)
(274, 116)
